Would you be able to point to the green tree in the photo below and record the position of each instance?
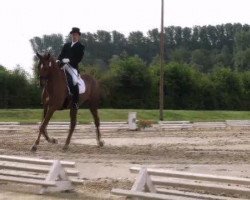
(223, 58)
(119, 43)
(229, 88)
(52, 43)
(103, 46)
(16, 89)
(4, 75)
(180, 55)
(137, 45)
(153, 43)
(129, 83)
(242, 51)
(201, 59)
(178, 36)
(47, 43)
(181, 86)
(246, 90)
(187, 36)
(207, 94)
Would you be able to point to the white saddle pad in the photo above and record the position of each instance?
(76, 78)
(81, 85)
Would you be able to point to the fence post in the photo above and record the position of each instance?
(132, 121)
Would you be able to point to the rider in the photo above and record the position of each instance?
(72, 54)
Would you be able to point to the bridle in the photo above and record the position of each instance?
(46, 78)
(43, 78)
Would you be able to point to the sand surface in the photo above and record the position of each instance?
(222, 152)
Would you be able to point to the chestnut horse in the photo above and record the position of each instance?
(55, 96)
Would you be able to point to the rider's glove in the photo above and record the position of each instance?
(65, 60)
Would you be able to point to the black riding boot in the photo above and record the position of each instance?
(76, 96)
(70, 83)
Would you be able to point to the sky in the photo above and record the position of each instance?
(21, 20)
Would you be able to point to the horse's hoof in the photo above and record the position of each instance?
(53, 141)
(33, 148)
(65, 148)
(101, 143)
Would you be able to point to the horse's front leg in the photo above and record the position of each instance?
(45, 134)
(42, 129)
(73, 114)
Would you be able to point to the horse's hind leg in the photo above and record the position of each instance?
(73, 114)
(94, 112)
(42, 129)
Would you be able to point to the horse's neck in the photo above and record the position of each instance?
(56, 83)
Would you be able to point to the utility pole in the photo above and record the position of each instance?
(161, 92)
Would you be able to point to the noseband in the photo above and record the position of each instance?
(43, 78)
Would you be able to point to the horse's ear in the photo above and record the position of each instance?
(38, 55)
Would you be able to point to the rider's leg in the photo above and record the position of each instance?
(70, 82)
(73, 88)
(76, 96)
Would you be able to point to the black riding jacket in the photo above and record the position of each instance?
(74, 53)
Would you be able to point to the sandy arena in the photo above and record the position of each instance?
(221, 152)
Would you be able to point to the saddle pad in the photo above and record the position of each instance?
(81, 85)
(76, 78)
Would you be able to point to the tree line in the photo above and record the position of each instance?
(207, 67)
(18, 90)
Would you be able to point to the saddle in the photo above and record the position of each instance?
(75, 85)
(74, 79)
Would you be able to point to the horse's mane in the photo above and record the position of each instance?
(51, 58)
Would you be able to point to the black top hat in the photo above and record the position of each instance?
(75, 30)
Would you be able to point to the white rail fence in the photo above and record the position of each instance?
(155, 184)
(126, 126)
(50, 175)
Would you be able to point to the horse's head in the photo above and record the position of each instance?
(45, 65)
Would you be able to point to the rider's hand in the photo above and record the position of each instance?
(65, 60)
(59, 63)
